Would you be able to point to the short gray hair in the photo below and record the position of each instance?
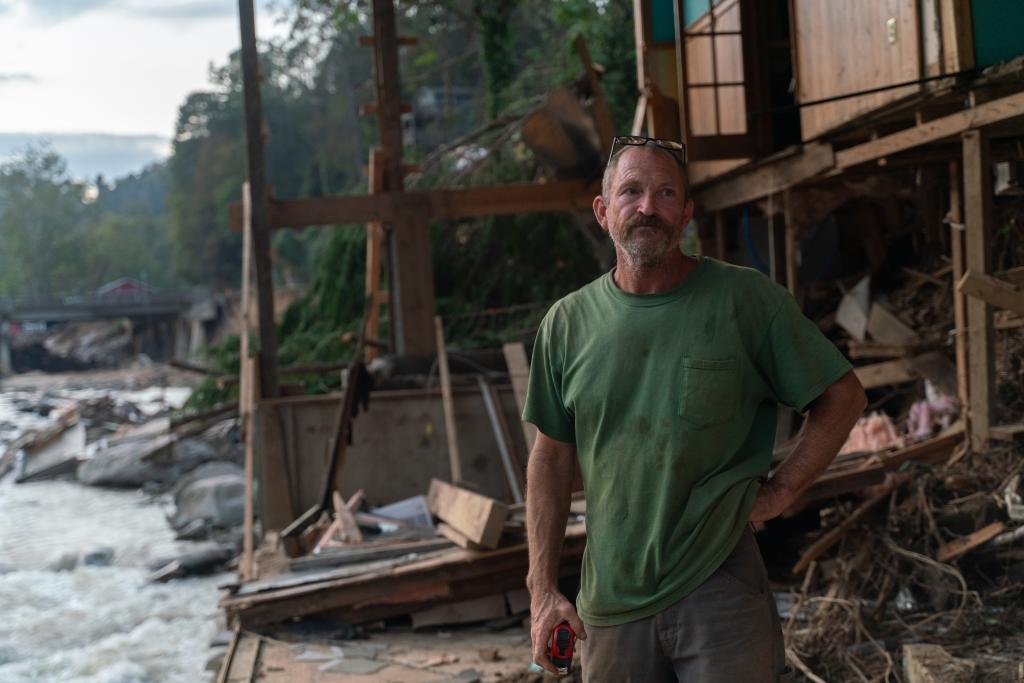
(613, 166)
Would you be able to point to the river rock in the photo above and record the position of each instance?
(64, 563)
(225, 438)
(202, 559)
(219, 501)
(136, 462)
(129, 464)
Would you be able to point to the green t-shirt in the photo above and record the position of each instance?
(671, 400)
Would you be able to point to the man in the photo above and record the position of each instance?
(662, 379)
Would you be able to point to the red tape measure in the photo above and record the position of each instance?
(562, 640)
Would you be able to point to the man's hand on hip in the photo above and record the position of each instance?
(548, 608)
(771, 501)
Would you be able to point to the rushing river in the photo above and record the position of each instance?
(95, 624)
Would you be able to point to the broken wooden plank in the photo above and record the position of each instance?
(927, 663)
(884, 326)
(885, 374)
(834, 483)
(992, 291)
(454, 574)
(932, 131)
(463, 612)
(447, 404)
(769, 177)
(478, 518)
(959, 547)
(445, 204)
(367, 552)
(819, 547)
(1006, 432)
(347, 527)
(519, 374)
(457, 537)
(869, 349)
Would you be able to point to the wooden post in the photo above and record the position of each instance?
(246, 378)
(454, 461)
(411, 287)
(978, 225)
(259, 204)
(956, 241)
(374, 249)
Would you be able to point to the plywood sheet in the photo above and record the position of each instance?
(845, 47)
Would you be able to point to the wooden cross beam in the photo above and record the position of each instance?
(469, 202)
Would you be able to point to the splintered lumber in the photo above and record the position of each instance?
(349, 530)
(819, 547)
(885, 327)
(992, 291)
(366, 552)
(450, 575)
(479, 518)
(888, 373)
(484, 608)
(959, 547)
(926, 663)
(842, 479)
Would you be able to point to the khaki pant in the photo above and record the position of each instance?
(726, 631)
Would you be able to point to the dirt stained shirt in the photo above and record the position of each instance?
(671, 401)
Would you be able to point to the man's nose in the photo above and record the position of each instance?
(646, 204)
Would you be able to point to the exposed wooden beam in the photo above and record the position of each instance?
(932, 131)
(956, 240)
(468, 202)
(978, 223)
(259, 199)
(992, 291)
(765, 179)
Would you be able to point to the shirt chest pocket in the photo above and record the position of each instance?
(710, 391)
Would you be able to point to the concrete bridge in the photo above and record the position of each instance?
(167, 324)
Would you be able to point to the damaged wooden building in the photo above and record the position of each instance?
(826, 141)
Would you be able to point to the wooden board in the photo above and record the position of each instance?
(767, 178)
(977, 177)
(469, 202)
(933, 131)
(961, 546)
(885, 327)
(463, 612)
(992, 291)
(457, 537)
(456, 574)
(884, 374)
(519, 374)
(845, 47)
(477, 517)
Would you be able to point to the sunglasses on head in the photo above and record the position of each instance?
(676, 149)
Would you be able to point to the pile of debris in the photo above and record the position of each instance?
(915, 561)
(397, 561)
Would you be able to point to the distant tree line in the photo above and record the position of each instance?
(169, 226)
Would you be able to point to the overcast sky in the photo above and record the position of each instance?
(110, 66)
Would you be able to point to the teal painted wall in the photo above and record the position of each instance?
(663, 18)
(998, 30)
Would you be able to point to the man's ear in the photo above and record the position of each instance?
(688, 211)
(601, 212)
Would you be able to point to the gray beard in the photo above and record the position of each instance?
(643, 255)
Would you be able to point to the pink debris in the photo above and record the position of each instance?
(875, 432)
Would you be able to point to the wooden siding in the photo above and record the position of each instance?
(844, 47)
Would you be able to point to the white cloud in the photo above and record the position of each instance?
(113, 66)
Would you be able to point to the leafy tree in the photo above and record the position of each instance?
(41, 215)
